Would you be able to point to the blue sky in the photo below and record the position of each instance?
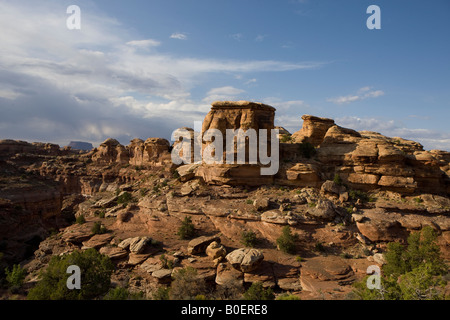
(144, 68)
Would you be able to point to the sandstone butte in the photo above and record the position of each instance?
(346, 194)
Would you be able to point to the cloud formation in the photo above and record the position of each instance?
(100, 81)
(223, 93)
(362, 94)
(179, 36)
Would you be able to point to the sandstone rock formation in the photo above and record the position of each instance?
(245, 259)
(110, 151)
(368, 160)
(345, 194)
(231, 115)
(152, 151)
(313, 131)
(199, 245)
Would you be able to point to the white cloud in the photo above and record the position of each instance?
(362, 94)
(237, 36)
(144, 43)
(179, 36)
(250, 81)
(223, 93)
(260, 37)
(91, 83)
(9, 94)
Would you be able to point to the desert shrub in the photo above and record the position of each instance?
(421, 248)
(411, 272)
(319, 247)
(186, 285)
(118, 293)
(98, 228)
(228, 291)
(100, 213)
(337, 179)
(285, 138)
(16, 276)
(346, 255)
(156, 188)
(124, 198)
(286, 296)
(96, 270)
(249, 239)
(80, 219)
(166, 263)
(307, 150)
(163, 293)
(175, 174)
(143, 192)
(258, 292)
(286, 242)
(187, 229)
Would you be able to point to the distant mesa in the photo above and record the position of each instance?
(79, 145)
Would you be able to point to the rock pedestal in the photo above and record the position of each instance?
(234, 115)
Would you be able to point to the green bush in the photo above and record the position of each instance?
(143, 192)
(286, 242)
(411, 272)
(16, 276)
(156, 188)
(258, 292)
(96, 270)
(286, 296)
(80, 219)
(118, 293)
(100, 213)
(285, 138)
(166, 263)
(98, 228)
(175, 174)
(319, 247)
(124, 198)
(163, 293)
(360, 195)
(186, 285)
(421, 248)
(337, 179)
(187, 229)
(249, 239)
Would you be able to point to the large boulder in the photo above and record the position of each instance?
(216, 250)
(199, 245)
(135, 245)
(313, 130)
(323, 210)
(187, 171)
(245, 259)
(228, 276)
